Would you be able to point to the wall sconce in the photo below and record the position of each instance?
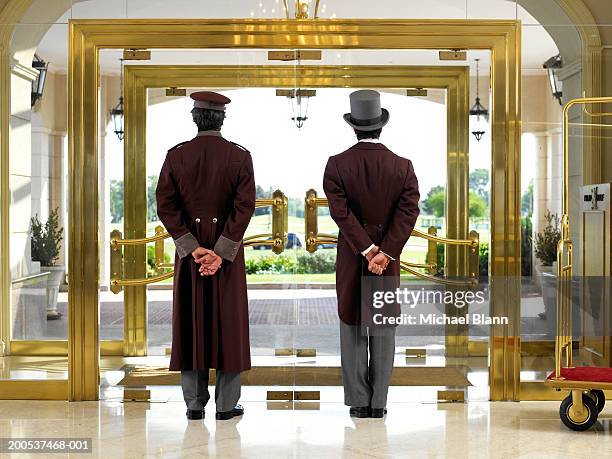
(38, 85)
(552, 66)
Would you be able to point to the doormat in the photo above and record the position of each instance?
(138, 376)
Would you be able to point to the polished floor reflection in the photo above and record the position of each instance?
(411, 429)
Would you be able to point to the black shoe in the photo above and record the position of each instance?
(225, 415)
(378, 412)
(360, 411)
(194, 415)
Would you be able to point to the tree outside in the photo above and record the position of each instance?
(435, 201)
(116, 201)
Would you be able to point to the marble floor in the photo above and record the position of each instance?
(411, 429)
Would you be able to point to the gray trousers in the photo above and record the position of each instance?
(195, 389)
(367, 364)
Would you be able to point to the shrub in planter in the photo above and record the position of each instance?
(526, 249)
(483, 260)
(46, 239)
(546, 241)
(46, 243)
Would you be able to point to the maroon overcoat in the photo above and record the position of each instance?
(374, 199)
(206, 197)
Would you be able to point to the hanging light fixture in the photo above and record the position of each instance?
(38, 85)
(301, 9)
(552, 66)
(300, 111)
(478, 111)
(117, 113)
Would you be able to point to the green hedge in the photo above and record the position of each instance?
(321, 262)
(270, 264)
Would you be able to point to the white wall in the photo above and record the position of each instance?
(36, 160)
(20, 170)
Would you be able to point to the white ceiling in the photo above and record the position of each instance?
(537, 44)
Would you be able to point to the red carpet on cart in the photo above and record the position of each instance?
(589, 374)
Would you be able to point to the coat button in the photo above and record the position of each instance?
(214, 220)
(197, 220)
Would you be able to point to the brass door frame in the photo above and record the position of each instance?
(87, 37)
(139, 78)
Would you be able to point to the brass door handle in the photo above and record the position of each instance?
(277, 239)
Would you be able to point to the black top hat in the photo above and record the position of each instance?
(366, 114)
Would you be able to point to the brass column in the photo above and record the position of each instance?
(135, 222)
(83, 251)
(457, 204)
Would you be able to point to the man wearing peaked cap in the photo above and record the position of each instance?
(373, 197)
(205, 199)
(209, 100)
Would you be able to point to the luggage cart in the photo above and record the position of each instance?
(586, 385)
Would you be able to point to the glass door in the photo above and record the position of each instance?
(293, 316)
(270, 267)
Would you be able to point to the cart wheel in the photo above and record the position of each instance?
(578, 421)
(599, 398)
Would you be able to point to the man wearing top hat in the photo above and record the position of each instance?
(373, 198)
(205, 199)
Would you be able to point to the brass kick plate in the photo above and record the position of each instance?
(453, 55)
(280, 395)
(304, 55)
(306, 406)
(416, 353)
(307, 395)
(451, 396)
(283, 352)
(275, 406)
(136, 55)
(288, 395)
(416, 92)
(306, 353)
(291, 93)
(176, 92)
(136, 395)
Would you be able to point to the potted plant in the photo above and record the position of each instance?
(546, 242)
(46, 245)
(545, 245)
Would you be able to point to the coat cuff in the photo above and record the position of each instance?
(366, 251)
(186, 244)
(226, 248)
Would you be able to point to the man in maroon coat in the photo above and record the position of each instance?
(373, 198)
(205, 199)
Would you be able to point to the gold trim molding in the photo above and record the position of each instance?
(592, 84)
(13, 10)
(34, 389)
(87, 37)
(139, 78)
